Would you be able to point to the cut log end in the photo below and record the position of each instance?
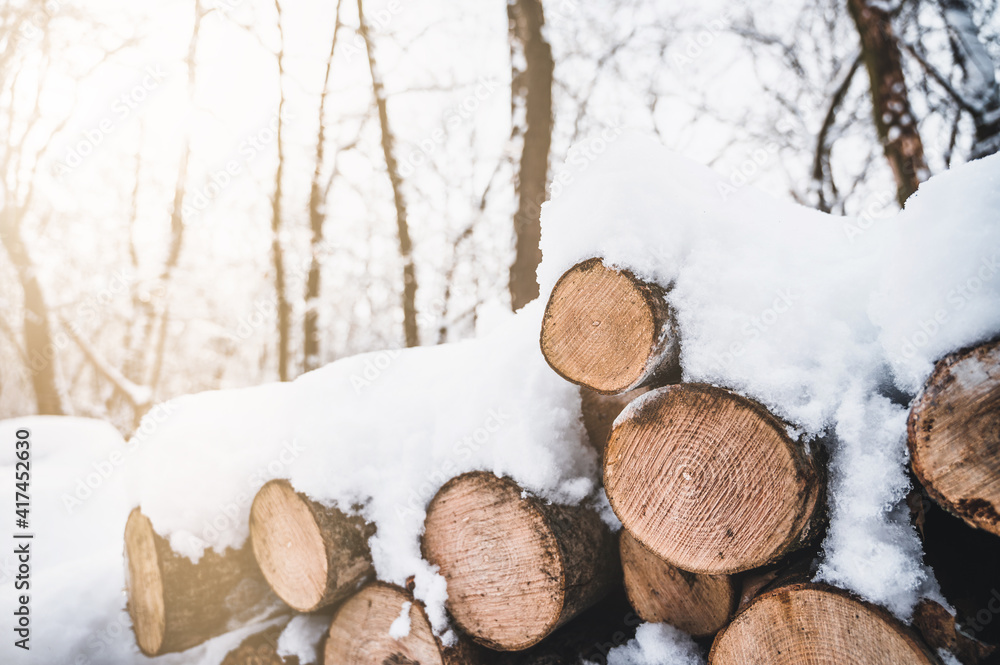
(516, 568)
(359, 633)
(819, 625)
(289, 546)
(607, 330)
(176, 604)
(311, 555)
(661, 593)
(501, 560)
(144, 583)
(954, 435)
(710, 481)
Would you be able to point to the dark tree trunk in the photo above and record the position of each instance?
(277, 253)
(410, 329)
(39, 346)
(894, 120)
(317, 217)
(980, 92)
(532, 89)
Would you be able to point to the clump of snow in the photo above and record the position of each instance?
(301, 637)
(603, 507)
(940, 288)
(400, 627)
(377, 433)
(971, 371)
(657, 644)
(948, 658)
(816, 316)
(870, 547)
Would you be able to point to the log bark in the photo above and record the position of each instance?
(609, 331)
(710, 481)
(176, 604)
(311, 555)
(954, 435)
(938, 628)
(359, 633)
(814, 623)
(964, 560)
(600, 411)
(517, 567)
(661, 593)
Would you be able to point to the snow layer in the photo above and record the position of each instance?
(657, 644)
(302, 636)
(77, 515)
(818, 317)
(378, 433)
(828, 321)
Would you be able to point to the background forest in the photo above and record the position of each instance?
(203, 194)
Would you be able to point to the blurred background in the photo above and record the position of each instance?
(203, 194)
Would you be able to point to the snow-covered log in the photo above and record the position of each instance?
(814, 623)
(517, 567)
(608, 330)
(176, 604)
(710, 481)
(383, 625)
(661, 593)
(953, 435)
(310, 554)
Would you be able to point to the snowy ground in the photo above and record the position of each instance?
(826, 320)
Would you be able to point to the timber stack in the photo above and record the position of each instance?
(722, 512)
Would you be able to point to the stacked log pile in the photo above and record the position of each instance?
(722, 513)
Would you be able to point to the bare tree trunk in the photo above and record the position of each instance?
(410, 329)
(39, 346)
(894, 121)
(157, 326)
(142, 366)
(277, 253)
(981, 94)
(317, 217)
(532, 90)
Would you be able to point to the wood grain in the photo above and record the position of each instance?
(710, 481)
(954, 435)
(813, 624)
(608, 330)
(312, 555)
(517, 567)
(359, 633)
